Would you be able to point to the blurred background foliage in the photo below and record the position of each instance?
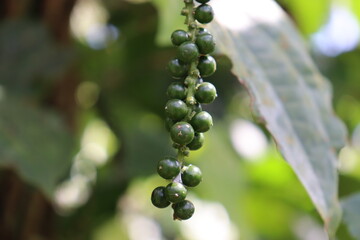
(82, 91)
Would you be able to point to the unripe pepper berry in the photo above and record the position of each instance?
(204, 13)
(175, 192)
(197, 142)
(182, 133)
(188, 52)
(191, 175)
(205, 93)
(183, 210)
(176, 90)
(202, 122)
(179, 36)
(158, 198)
(205, 43)
(169, 123)
(197, 108)
(177, 68)
(203, 1)
(206, 66)
(176, 109)
(168, 168)
(201, 31)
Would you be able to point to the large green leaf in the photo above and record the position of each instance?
(309, 15)
(355, 6)
(28, 54)
(291, 95)
(351, 209)
(34, 143)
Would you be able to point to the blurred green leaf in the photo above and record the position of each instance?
(351, 209)
(169, 19)
(145, 139)
(294, 99)
(34, 143)
(309, 15)
(355, 6)
(27, 53)
(221, 166)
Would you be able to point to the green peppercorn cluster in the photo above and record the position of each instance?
(185, 119)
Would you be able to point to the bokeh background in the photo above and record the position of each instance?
(82, 92)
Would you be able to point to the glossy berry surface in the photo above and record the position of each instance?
(177, 68)
(168, 168)
(176, 109)
(203, 1)
(188, 52)
(201, 31)
(205, 43)
(205, 93)
(206, 66)
(191, 176)
(197, 108)
(202, 122)
(179, 36)
(182, 133)
(175, 192)
(197, 142)
(158, 198)
(169, 123)
(176, 90)
(204, 13)
(183, 210)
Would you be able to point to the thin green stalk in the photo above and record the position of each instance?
(193, 72)
(193, 75)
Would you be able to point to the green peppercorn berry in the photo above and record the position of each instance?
(187, 52)
(183, 210)
(176, 109)
(176, 90)
(182, 133)
(177, 68)
(205, 43)
(203, 1)
(206, 66)
(204, 13)
(191, 175)
(168, 168)
(169, 123)
(175, 192)
(158, 198)
(197, 108)
(201, 31)
(201, 122)
(197, 142)
(205, 93)
(179, 36)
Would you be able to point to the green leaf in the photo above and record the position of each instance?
(28, 54)
(355, 6)
(351, 209)
(291, 95)
(34, 143)
(308, 14)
